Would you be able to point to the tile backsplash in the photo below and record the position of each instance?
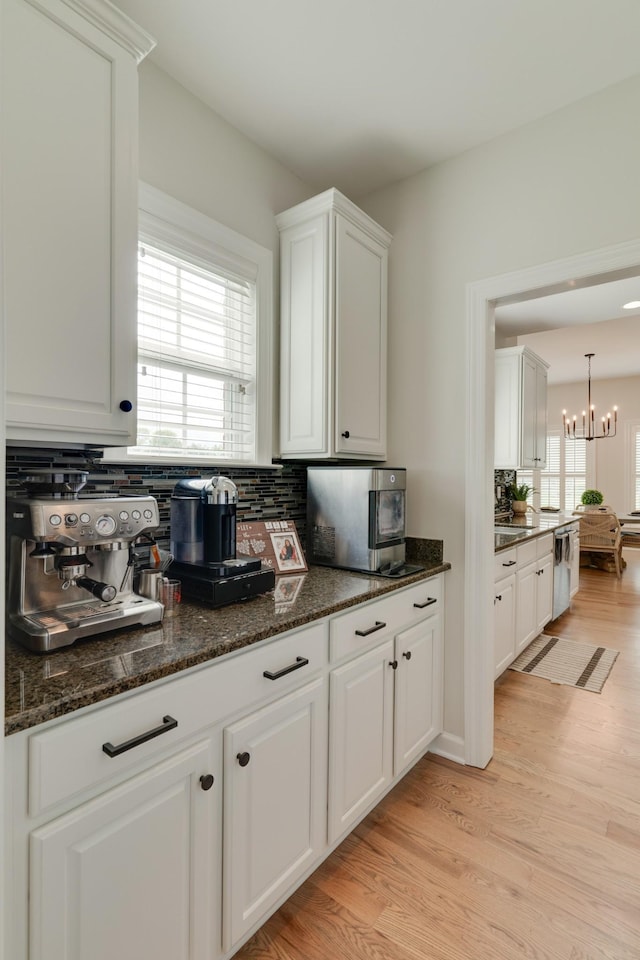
(263, 494)
(502, 480)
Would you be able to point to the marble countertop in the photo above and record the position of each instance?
(41, 686)
(511, 531)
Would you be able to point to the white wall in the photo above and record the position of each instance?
(197, 157)
(612, 465)
(561, 186)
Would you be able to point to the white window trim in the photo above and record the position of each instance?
(630, 427)
(169, 221)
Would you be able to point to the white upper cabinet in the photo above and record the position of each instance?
(520, 409)
(333, 400)
(69, 182)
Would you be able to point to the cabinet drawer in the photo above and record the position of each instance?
(421, 600)
(70, 757)
(367, 625)
(544, 545)
(527, 553)
(504, 563)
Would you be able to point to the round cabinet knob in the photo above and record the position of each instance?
(346, 434)
(393, 664)
(243, 758)
(407, 654)
(206, 781)
(126, 406)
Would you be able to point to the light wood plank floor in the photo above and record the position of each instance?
(536, 857)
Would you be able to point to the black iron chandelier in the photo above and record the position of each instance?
(590, 430)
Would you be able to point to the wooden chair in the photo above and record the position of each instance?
(600, 532)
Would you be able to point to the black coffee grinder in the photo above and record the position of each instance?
(203, 543)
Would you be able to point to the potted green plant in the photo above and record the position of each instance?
(592, 499)
(518, 495)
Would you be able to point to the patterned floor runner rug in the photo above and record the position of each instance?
(565, 661)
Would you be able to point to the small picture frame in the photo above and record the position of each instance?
(275, 542)
(287, 551)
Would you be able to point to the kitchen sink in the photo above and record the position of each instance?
(513, 526)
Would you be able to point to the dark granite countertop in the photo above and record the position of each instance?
(509, 532)
(41, 686)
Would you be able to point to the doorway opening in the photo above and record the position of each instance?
(592, 269)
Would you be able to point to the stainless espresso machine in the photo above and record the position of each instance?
(203, 543)
(70, 562)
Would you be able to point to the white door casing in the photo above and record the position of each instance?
(591, 268)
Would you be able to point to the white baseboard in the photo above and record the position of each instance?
(450, 746)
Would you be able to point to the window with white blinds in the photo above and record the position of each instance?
(575, 472)
(551, 477)
(636, 461)
(564, 479)
(205, 306)
(196, 358)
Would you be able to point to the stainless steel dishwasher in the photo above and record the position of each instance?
(561, 570)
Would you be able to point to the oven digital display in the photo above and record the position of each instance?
(389, 515)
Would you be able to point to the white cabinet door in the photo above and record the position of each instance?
(69, 224)
(304, 339)
(361, 342)
(526, 608)
(333, 331)
(275, 783)
(520, 409)
(540, 426)
(418, 691)
(504, 605)
(360, 735)
(528, 437)
(131, 873)
(544, 592)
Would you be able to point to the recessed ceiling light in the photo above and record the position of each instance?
(632, 305)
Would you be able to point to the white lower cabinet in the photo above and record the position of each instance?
(523, 597)
(534, 590)
(418, 694)
(504, 606)
(130, 874)
(544, 592)
(361, 735)
(386, 702)
(275, 787)
(169, 824)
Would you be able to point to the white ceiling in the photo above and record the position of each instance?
(359, 93)
(563, 327)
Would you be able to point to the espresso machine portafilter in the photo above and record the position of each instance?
(70, 562)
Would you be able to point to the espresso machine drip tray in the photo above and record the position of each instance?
(49, 629)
